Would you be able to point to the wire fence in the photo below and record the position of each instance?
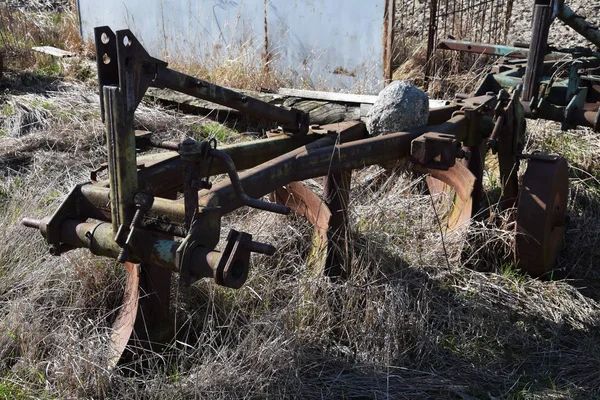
(422, 23)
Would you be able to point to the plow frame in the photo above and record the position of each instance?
(136, 217)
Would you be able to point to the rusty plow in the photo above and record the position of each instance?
(160, 212)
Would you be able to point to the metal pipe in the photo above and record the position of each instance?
(98, 238)
(239, 189)
(494, 49)
(578, 23)
(314, 162)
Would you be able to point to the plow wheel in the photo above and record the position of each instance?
(541, 214)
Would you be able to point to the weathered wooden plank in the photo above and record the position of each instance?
(53, 51)
(329, 96)
(320, 112)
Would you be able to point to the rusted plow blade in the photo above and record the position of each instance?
(541, 214)
(306, 203)
(457, 183)
(123, 325)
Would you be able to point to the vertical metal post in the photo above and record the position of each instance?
(429, 66)
(122, 165)
(542, 18)
(389, 16)
(153, 325)
(337, 196)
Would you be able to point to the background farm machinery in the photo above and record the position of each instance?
(136, 216)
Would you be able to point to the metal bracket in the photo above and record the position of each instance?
(123, 61)
(435, 150)
(69, 209)
(234, 265)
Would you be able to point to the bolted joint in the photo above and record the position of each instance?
(190, 149)
(460, 153)
(435, 150)
(143, 200)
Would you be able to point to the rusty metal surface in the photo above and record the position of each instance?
(337, 196)
(304, 202)
(460, 180)
(125, 321)
(451, 150)
(541, 215)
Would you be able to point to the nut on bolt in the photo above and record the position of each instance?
(143, 200)
(460, 153)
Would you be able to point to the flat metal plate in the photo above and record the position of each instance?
(541, 215)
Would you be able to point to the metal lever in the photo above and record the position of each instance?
(239, 190)
(143, 202)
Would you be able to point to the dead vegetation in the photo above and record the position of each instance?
(413, 321)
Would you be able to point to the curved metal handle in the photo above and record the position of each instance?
(239, 190)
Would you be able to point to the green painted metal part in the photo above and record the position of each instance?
(578, 23)
(122, 166)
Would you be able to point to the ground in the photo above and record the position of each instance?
(419, 317)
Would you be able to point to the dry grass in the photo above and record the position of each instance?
(38, 23)
(410, 322)
(404, 325)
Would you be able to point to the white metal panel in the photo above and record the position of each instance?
(318, 44)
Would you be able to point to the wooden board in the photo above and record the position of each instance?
(53, 51)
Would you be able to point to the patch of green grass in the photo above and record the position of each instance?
(51, 197)
(514, 274)
(218, 131)
(49, 68)
(8, 110)
(10, 390)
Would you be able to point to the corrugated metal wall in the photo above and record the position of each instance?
(332, 44)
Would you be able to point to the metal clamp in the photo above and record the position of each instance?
(143, 202)
(435, 150)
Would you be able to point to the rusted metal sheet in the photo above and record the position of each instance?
(335, 44)
(123, 325)
(541, 214)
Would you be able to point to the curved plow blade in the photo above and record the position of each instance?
(123, 325)
(458, 183)
(308, 204)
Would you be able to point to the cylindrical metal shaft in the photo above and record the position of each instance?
(98, 238)
(579, 24)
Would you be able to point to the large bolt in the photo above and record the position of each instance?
(143, 202)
